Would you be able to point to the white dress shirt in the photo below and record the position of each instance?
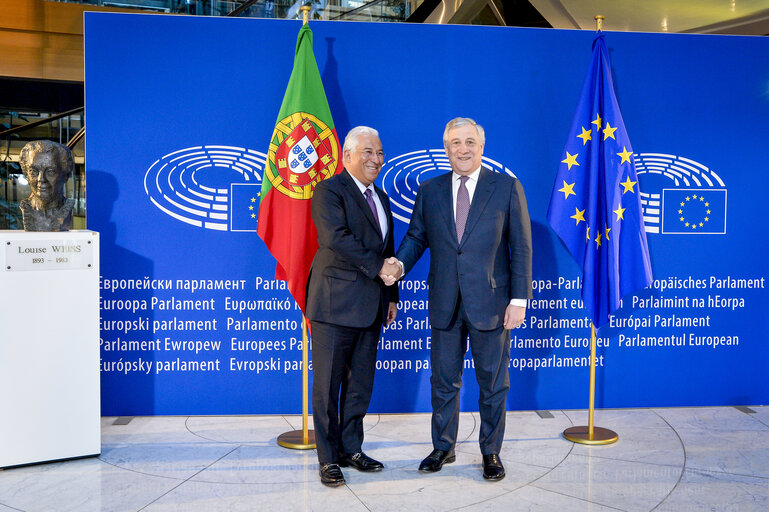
(379, 208)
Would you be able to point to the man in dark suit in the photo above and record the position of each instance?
(347, 302)
(476, 225)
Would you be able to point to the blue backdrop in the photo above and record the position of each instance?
(180, 111)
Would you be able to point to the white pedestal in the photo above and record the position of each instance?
(49, 346)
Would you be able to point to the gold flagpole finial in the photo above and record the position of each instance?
(598, 22)
(305, 14)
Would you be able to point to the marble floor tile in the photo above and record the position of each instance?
(165, 459)
(84, 485)
(285, 497)
(704, 458)
(726, 419)
(256, 430)
(457, 485)
(742, 452)
(648, 445)
(708, 491)
(535, 499)
(617, 419)
(626, 485)
(761, 415)
(150, 428)
(271, 464)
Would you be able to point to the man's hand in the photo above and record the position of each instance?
(392, 311)
(391, 271)
(514, 316)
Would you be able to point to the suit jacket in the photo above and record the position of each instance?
(492, 262)
(344, 287)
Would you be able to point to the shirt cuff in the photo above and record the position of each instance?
(403, 272)
(521, 303)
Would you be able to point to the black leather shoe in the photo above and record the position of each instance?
(331, 475)
(435, 461)
(361, 462)
(492, 467)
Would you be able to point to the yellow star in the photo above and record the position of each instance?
(250, 207)
(688, 199)
(570, 160)
(253, 215)
(707, 219)
(702, 198)
(680, 211)
(607, 233)
(686, 224)
(625, 155)
(682, 204)
(608, 131)
(253, 199)
(597, 121)
(587, 233)
(707, 204)
(620, 211)
(579, 216)
(694, 226)
(708, 212)
(567, 189)
(681, 219)
(585, 136)
(628, 185)
(598, 240)
(701, 224)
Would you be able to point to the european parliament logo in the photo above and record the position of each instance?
(402, 175)
(209, 187)
(687, 198)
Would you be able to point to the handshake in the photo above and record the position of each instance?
(391, 271)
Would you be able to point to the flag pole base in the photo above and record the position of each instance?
(581, 435)
(295, 440)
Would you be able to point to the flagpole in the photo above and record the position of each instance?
(302, 439)
(591, 434)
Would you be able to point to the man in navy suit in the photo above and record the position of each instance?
(476, 224)
(347, 302)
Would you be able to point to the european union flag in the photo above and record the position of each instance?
(595, 207)
(244, 206)
(694, 211)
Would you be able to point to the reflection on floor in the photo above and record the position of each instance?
(713, 458)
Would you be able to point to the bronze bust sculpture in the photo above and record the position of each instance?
(47, 166)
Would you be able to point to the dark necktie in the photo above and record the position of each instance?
(372, 205)
(463, 207)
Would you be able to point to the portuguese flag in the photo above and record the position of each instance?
(304, 150)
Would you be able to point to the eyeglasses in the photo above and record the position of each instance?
(368, 154)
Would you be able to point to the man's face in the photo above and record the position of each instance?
(365, 161)
(464, 149)
(44, 177)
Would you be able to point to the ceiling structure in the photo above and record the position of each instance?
(746, 17)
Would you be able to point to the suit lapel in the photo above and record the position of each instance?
(386, 205)
(483, 191)
(354, 191)
(445, 203)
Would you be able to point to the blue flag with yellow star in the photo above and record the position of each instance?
(595, 207)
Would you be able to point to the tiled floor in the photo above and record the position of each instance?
(713, 459)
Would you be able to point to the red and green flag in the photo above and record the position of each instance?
(304, 150)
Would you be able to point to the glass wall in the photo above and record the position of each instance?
(13, 184)
(356, 10)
